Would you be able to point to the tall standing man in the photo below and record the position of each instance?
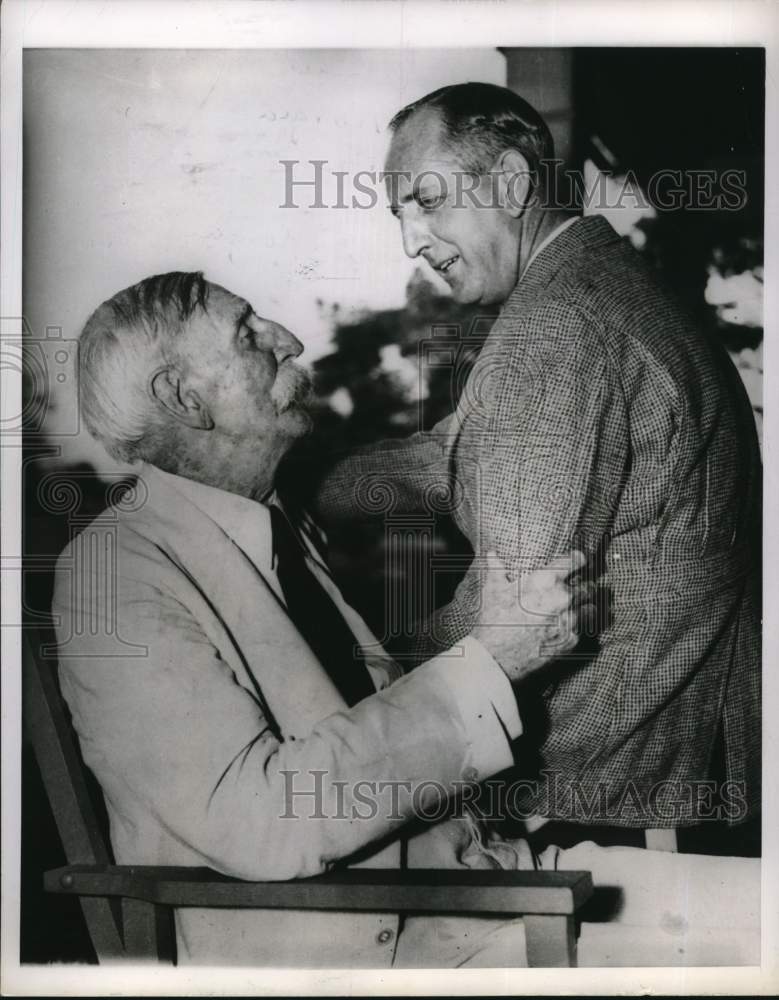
(596, 412)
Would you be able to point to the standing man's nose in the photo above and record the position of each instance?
(414, 232)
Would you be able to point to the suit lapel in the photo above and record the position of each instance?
(266, 651)
(476, 436)
(584, 235)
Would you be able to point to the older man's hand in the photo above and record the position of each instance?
(527, 621)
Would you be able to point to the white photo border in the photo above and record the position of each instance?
(382, 24)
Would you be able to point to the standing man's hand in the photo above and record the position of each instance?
(526, 622)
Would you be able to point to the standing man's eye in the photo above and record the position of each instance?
(431, 202)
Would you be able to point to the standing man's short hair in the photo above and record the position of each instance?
(480, 120)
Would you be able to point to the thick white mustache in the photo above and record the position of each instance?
(292, 386)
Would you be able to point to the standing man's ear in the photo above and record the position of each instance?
(515, 183)
(184, 404)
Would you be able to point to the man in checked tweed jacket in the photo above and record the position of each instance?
(595, 414)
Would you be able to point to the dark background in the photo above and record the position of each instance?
(687, 109)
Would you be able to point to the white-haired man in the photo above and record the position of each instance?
(256, 684)
(236, 712)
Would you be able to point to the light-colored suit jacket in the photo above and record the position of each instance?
(204, 714)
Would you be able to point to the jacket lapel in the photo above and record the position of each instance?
(584, 235)
(264, 648)
(475, 408)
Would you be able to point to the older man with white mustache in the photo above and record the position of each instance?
(256, 682)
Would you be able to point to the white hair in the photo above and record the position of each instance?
(124, 342)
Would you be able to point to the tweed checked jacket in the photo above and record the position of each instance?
(597, 417)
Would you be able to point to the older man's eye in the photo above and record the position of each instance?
(247, 336)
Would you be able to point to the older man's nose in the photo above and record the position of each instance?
(285, 344)
(416, 236)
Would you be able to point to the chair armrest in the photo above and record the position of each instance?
(547, 901)
(374, 889)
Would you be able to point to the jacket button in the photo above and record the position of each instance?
(384, 936)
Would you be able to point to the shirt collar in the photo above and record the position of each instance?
(570, 243)
(245, 521)
(547, 240)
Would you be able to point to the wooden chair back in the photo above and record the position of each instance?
(73, 797)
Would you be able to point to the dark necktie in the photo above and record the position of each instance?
(316, 616)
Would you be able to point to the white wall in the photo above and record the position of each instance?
(143, 161)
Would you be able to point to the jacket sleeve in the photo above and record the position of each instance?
(392, 476)
(551, 450)
(556, 454)
(180, 745)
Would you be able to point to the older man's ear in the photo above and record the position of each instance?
(185, 405)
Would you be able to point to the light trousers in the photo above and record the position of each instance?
(660, 909)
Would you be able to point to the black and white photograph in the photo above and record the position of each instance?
(384, 460)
